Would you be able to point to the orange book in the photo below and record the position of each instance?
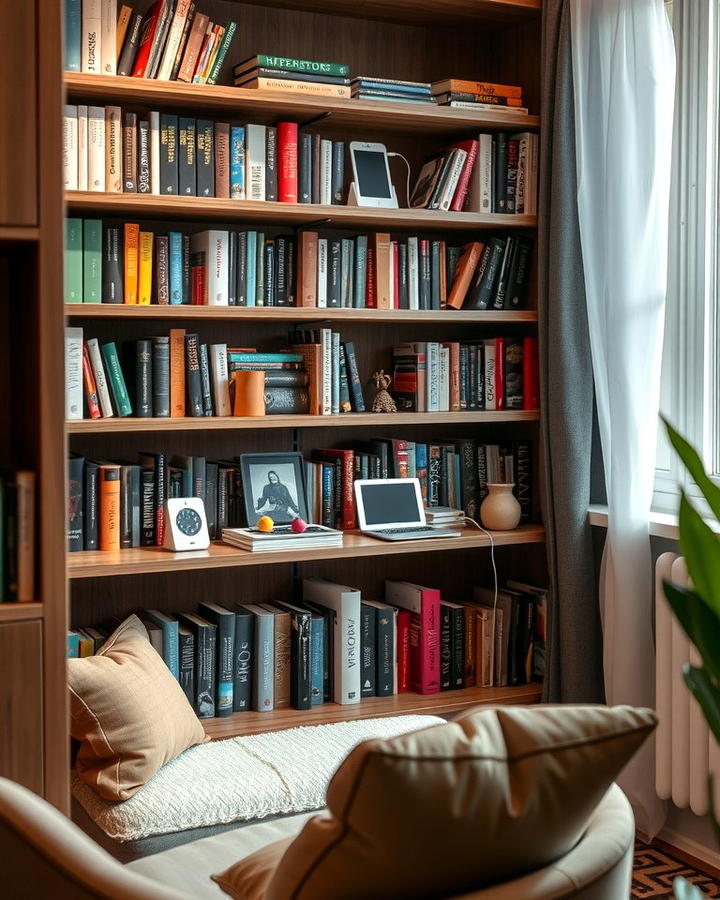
(311, 354)
(454, 348)
(222, 159)
(477, 87)
(381, 253)
(109, 507)
(464, 273)
(307, 268)
(132, 245)
(177, 373)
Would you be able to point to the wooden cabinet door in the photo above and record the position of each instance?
(21, 703)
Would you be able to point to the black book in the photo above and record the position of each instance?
(130, 45)
(232, 267)
(424, 276)
(499, 150)
(503, 274)
(513, 374)
(205, 663)
(281, 288)
(446, 647)
(205, 381)
(205, 168)
(465, 449)
(457, 641)
(186, 289)
(385, 651)
(474, 370)
(243, 668)
(147, 507)
(168, 154)
(517, 283)
(143, 379)
(241, 277)
(186, 655)
(435, 275)
(125, 508)
(316, 156)
(305, 168)
(211, 490)
(337, 183)
(161, 376)
(224, 620)
(334, 273)
(75, 517)
(480, 295)
(222, 500)
(143, 157)
(136, 503)
(464, 376)
(271, 176)
(161, 282)
(471, 298)
(300, 623)
(269, 273)
(192, 376)
(156, 463)
(199, 475)
(290, 272)
(91, 505)
(367, 650)
(112, 269)
(403, 276)
(187, 157)
(328, 616)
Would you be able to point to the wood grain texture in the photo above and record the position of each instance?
(20, 612)
(372, 707)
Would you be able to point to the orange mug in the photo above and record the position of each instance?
(249, 393)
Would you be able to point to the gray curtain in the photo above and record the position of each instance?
(574, 654)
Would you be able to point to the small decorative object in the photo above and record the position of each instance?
(185, 524)
(273, 485)
(249, 393)
(298, 525)
(264, 523)
(500, 510)
(383, 402)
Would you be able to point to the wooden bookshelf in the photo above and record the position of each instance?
(408, 704)
(150, 560)
(20, 612)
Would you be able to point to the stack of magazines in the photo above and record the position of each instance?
(282, 537)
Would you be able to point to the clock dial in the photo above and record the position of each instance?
(188, 522)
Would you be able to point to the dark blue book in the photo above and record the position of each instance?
(73, 30)
(187, 157)
(244, 650)
(305, 168)
(224, 619)
(205, 663)
(356, 394)
(317, 649)
(205, 167)
(170, 639)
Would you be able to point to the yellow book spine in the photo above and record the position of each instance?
(145, 268)
(132, 232)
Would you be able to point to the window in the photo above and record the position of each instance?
(690, 389)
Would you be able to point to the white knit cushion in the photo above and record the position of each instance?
(239, 779)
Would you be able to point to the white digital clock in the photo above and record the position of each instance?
(185, 524)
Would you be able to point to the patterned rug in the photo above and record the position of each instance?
(654, 872)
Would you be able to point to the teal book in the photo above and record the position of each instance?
(251, 267)
(115, 376)
(73, 645)
(170, 640)
(260, 270)
(360, 280)
(73, 261)
(73, 30)
(92, 261)
(237, 163)
(175, 266)
(222, 53)
(317, 660)
(235, 356)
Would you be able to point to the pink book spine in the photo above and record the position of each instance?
(429, 682)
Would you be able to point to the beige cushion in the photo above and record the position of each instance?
(128, 712)
(486, 798)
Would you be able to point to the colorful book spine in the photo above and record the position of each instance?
(237, 163)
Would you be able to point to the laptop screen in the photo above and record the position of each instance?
(391, 502)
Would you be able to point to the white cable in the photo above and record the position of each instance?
(407, 192)
(492, 557)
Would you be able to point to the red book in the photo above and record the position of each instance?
(423, 604)
(454, 348)
(90, 386)
(149, 29)
(370, 298)
(197, 277)
(403, 651)
(396, 275)
(287, 138)
(500, 373)
(471, 148)
(531, 374)
(346, 514)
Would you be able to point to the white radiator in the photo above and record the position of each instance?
(686, 750)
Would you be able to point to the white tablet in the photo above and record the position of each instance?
(371, 175)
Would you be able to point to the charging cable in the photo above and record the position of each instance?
(407, 192)
(492, 557)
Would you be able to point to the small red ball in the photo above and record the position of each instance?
(298, 525)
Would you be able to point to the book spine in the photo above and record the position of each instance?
(101, 384)
(305, 168)
(500, 173)
(237, 163)
(356, 392)
(287, 133)
(403, 651)
(129, 152)
(524, 479)
(116, 379)
(325, 172)
(290, 86)
(263, 674)
(446, 661)
(177, 372)
(187, 156)
(126, 61)
(192, 49)
(144, 380)
(255, 161)
(186, 654)
(75, 509)
(96, 148)
(73, 373)
(73, 35)
(192, 374)
(271, 164)
(145, 267)
(300, 661)
(430, 642)
(463, 184)
(221, 392)
(125, 508)
(222, 159)
(316, 660)
(91, 506)
(205, 381)
(385, 652)
(225, 666)
(368, 668)
(172, 42)
(244, 662)
(91, 42)
(168, 154)
(205, 664)
(70, 148)
(143, 154)
(337, 186)
(222, 53)
(109, 477)
(92, 261)
(113, 150)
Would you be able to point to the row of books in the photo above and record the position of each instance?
(453, 473)
(493, 173)
(17, 535)
(173, 41)
(334, 645)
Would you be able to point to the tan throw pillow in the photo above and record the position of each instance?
(497, 793)
(128, 712)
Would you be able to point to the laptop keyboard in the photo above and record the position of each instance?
(414, 530)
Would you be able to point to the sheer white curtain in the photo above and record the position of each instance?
(624, 78)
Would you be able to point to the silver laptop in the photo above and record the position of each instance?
(391, 509)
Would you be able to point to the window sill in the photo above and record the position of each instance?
(662, 525)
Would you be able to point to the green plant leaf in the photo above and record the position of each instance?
(699, 622)
(694, 465)
(701, 547)
(706, 694)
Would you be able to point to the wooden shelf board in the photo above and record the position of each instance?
(150, 560)
(265, 106)
(19, 233)
(20, 612)
(201, 208)
(237, 423)
(252, 722)
(297, 314)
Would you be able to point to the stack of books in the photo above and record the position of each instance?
(444, 516)
(282, 537)
(289, 75)
(366, 87)
(479, 95)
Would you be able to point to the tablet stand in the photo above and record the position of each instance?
(353, 201)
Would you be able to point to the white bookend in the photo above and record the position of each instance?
(91, 44)
(489, 370)
(326, 172)
(96, 148)
(101, 385)
(479, 195)
(113, 150)
(73, 373)
(413, 283)
(215, 245)
(456, 166)
(322, 273)
(432, 375)
(82, 148)
(345, 602)
(70, 148)
(173, 40)
(108, 48)
(444, 404)
(255, 161)
(326, 354)
(221, 386)
(155, 152)
(264, 667)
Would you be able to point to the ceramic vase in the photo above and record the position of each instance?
(500, 510)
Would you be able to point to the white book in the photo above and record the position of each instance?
(444, 398)
(96, 148)
(345, 601)
(70, 148)
(479, 195)
(91, 43)
(489, 369)
(487, 107)
(523, 139)
(432, 376)
(173, 40)
(220, 381)
(215, 245)
(113, 150)
(255, 161)
(101, 384)
(326, 354)
(413, 275)
(326, 172)
(155, 152)
(322, 273)
(335, 371)
(531, 191)
(82, 147)
(108, 46)
(264, 667)
(456, 166)
(73, 373)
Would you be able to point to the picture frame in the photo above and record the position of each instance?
(273, 485)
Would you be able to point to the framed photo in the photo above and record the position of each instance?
(273, 485)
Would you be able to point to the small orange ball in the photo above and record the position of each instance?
(265, 523)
